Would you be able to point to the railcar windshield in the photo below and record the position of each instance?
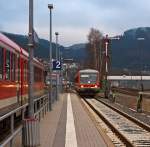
(88, 78)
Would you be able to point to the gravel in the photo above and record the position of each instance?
(144, 117)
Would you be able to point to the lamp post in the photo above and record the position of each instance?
(50, 6)
(57, 59)
(31, 54)
(57, 51)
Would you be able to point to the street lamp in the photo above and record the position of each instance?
(50, 6)
(57, 50)
(57, 59)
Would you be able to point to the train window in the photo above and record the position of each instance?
(25, 70)
(7, 65)
(18, 68)
(42, 75)
(13, 60)
(35, 74)
(39, 75)
(1, 63)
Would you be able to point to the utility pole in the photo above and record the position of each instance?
(28, 135)
(30, 64)
(50, 6)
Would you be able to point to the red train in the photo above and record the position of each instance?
(87, 82)
(14, 74)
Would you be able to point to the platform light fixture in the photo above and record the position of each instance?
(50, 7)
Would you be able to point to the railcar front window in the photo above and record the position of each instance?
(89, 78)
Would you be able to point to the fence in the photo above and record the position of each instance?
(41, 106)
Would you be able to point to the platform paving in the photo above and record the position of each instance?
(68, 125)
(86, 133)
(52, 121)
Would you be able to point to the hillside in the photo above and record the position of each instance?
(126, 53)
(41, 51)
(130, 51)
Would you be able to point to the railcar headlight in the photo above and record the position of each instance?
(95, 86)
(82, 86)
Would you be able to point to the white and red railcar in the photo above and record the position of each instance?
(14, 74)
(87, 82)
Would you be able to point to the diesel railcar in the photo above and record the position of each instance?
(87, 82)
(14, 74)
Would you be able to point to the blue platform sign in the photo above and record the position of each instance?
(56, 65)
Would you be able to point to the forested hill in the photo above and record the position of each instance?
(41, 51)
(130, 52)
(77, 52)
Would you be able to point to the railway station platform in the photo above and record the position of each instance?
(69, 125)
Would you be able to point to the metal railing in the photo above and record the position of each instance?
(40, 111)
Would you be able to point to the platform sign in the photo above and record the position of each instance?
(56, 65)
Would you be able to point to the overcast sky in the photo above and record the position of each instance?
(74, 18)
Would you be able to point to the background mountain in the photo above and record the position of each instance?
(76, 52)
(129, 52)
(132, 51)
(41, 51)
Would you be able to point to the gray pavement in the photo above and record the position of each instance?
(53, 127)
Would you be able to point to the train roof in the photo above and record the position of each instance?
(9, 44)
(6, 42)
(88, 71)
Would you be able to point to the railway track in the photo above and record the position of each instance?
(131, 132)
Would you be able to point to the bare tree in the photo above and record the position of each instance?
(94, 48)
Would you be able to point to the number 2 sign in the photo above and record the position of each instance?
(56, 65)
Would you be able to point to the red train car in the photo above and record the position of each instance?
(14, 74)
(87, 82)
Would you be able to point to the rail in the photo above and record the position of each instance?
(133, 119)
(43, 108)
(121, 136)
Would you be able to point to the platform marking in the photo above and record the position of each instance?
(71, 140)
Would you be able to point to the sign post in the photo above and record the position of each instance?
(57, 67)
